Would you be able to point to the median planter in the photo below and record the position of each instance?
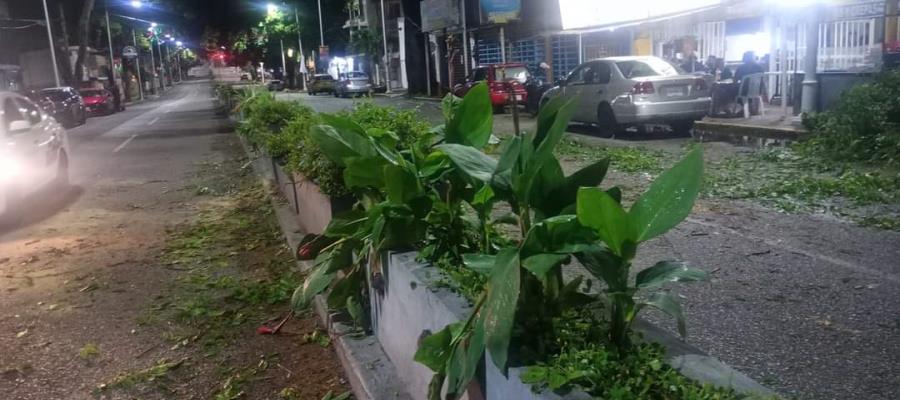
(314, 208)
(409, 303)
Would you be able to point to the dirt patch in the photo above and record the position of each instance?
(112, 301)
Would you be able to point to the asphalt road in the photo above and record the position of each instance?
(806, 305)
(82, 267)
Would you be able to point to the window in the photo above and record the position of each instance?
(30, 111)
(518, 73)
(595, 73)
(11, 114)
(646, 67)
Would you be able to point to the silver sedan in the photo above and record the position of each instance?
(617, 92)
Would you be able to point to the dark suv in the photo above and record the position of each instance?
(63, 103)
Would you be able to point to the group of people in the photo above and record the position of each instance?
(716, 66)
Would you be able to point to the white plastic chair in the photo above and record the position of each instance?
(752, 89)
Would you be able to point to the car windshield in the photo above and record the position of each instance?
(355, 75)
(518, 73)
(92, 93)
(54, 95)
(647, 67)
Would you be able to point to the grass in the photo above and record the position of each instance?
(88, 351)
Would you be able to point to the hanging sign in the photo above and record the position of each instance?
(501, 11)
(129, 52)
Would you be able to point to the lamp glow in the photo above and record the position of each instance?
(136, 4)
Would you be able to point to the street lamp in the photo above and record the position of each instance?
(271, 9)
(136, 4)
(179, 43)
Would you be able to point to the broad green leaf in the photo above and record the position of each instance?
(616, 193)
(500, 306)
(341, 138)
(589, 176)
(473, 120)
(434, 350)
(668, 271)
(354, 308)
(604, 265)
(556, 235)
(543, 153)
(669, 199)
(544, 185)
(540, 264)
(344, 289)
(483, 196)
(364, 172)
(346, 224)
(470, 161)
(510, 154)
(434, 164)
(481, 263)
(666, 303)
(547, 117)
(339, 257)
(315, 283)
(598, 210)
(401, 184)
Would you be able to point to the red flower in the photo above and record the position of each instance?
(264, 330)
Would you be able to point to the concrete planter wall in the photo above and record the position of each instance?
(407, 305)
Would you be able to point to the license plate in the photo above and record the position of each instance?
(675, 92)
(518, 97)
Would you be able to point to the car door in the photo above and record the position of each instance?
(39, 143)
(594, 90)
(581, 86)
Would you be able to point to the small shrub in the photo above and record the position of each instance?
(864, 126)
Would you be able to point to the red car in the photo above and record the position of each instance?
(98, 101)
(499, 77)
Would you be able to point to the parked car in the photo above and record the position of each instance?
(35, 152)
(617, 92)
(98, 101)
(63, 103)
(499, 78)
(275, 85)
(352, 83)
(321, 83)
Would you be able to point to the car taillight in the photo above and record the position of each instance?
(643, 88)
(700, 84)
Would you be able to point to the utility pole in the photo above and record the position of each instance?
(137, 61)
(462, 11)
(283, 61)
(52, 46)
(300, 44)
(321, 28)
(162, 65)
(387, 68)
(112, 61)
(153, 69)
(810, 78)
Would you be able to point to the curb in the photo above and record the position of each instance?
(371, 374)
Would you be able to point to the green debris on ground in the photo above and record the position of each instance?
(88, 351)
(786, 181)
(154, 374)
(623, 159)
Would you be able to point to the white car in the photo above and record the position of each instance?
(34, 152)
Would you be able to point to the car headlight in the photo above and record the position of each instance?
(10, 168)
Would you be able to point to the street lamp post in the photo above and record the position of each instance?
(162, 65)
(112, 61)
(321, 29)
(300, 44)
(387, 60)
(137, 61)
(153, 69)
(52, 47)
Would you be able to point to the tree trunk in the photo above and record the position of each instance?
(63, 59)
(84, 29)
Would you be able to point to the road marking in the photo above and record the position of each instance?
(125, 143)
(153, 121)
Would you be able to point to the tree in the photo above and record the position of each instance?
(84, 30)
(367, 41)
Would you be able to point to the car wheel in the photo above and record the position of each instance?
(62, 170)
(682, 128)
(606, 121)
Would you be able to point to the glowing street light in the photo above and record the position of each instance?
(271, 9)
(178, 43)
(136, 4)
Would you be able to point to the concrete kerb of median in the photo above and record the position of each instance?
(369, 371)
